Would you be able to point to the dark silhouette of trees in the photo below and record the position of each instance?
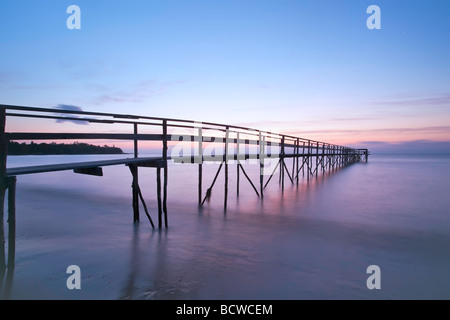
(15, 148)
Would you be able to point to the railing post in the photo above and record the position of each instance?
(3, 186)
(200, 164)
(238, 163)
(303, 159)
(282, 163)
(317, 157)
(136, 153)
(296, 158)
(261, 164)
(135, 173)
(227, 136)
(308, 171)
(165, 170)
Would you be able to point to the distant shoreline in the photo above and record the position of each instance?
(19, 149)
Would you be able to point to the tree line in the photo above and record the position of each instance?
(16, 148)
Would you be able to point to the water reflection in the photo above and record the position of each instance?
(184, 261)
(6, 268)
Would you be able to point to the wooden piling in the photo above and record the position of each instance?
(303, 159)
(158, 194)
(238, 163)
(11, 221)
(3, 186)
(261, 165)
(227, 137)
(317, 157)
(135, 173)
(297, 158)
(165, 146)
(135, 193)
(308, 169)
(282, 163)
(323, 158)
(200, 165)
(330, 157)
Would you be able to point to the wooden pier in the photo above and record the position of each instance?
(187, 142)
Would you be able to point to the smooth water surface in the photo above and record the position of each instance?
(314, 240)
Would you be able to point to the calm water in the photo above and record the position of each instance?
(313, 241)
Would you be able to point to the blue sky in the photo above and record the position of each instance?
(304, 67)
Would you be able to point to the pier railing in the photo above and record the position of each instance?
(183, 141)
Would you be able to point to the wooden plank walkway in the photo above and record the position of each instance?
(154, 162)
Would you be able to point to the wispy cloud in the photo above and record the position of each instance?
(408, 147)
(136, 93)
(67, 107)
(392, 131)
(354, 119)
(442, 100)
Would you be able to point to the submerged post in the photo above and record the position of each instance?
(11, 221)
(158, 193)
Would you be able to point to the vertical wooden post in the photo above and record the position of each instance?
(135, 189)
(3, 186)
(333, 156)
(11, 221)
(200, 165)
(293, 158)
(282, 163)
(303, 159)
(323, 157)
(344, 155)
(330, 157)
(227, 136)
(317, 157)
(135, 185)
(136, 153)
(296, 158)
(261, 165)
(308, 170)
(165, 170)
(238, 163)
(158, 192)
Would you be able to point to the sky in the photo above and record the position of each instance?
(309, 68)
